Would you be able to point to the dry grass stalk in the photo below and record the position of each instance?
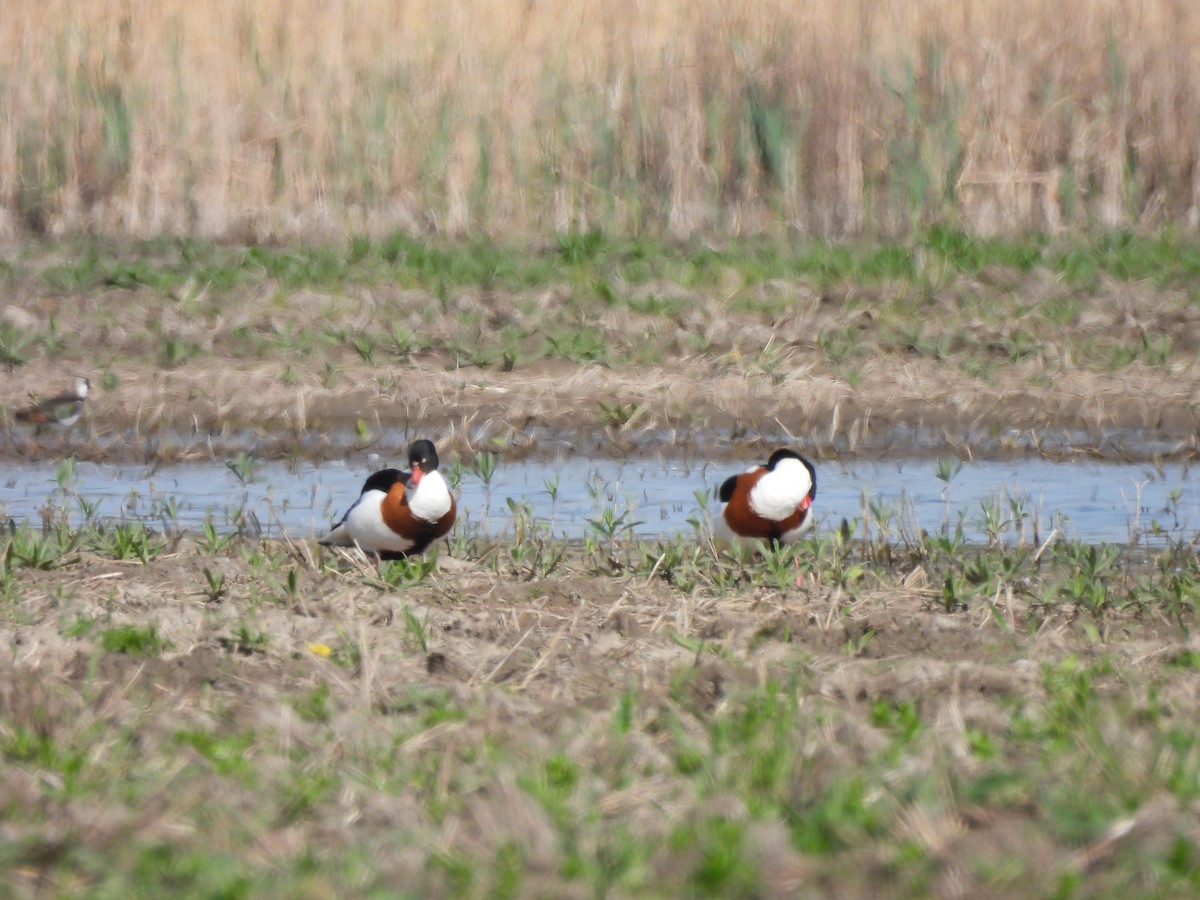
(272, 120)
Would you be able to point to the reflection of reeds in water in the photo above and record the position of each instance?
(274, 118)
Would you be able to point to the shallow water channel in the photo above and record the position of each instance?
(1089, 500)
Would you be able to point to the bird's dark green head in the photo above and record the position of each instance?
(422, 453)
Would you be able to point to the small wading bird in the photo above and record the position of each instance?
(769, 504)
(59, 412)
(399, 514)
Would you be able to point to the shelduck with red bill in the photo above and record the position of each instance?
(399, 514)
(769, 504)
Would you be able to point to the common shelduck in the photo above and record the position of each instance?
(60, 412)
(771, 503)
(399, 514)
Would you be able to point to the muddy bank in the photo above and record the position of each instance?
(694, 408)
(989, 362)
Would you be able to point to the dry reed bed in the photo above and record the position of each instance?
(275, 119)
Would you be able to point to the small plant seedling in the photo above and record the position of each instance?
(857, 646)
(64, 473)
(168, 510)
(610, 527)
(290, 587)
(212, 542)
(417, 629)
(403, 340)
(87, 508)
(364, 346)
(243, 468)
(903, 719)
(691, 644)
(176, 351)
(81, 627)
(362, 434)
(617, 415)
(51, 339)
(13, 344)
(245, 640)
(25, 548)
(215, 585)
(407, 572)
(1091, 570)
(946, 468)
(483, 465)
(347, 653)
(130, 540)
(225, 752)
(314, 706)
(991, 520)
(133, 641)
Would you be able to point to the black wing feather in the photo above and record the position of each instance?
(812, 474)
(384, 479)
(728, 486)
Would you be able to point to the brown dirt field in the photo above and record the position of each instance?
(537, 666)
